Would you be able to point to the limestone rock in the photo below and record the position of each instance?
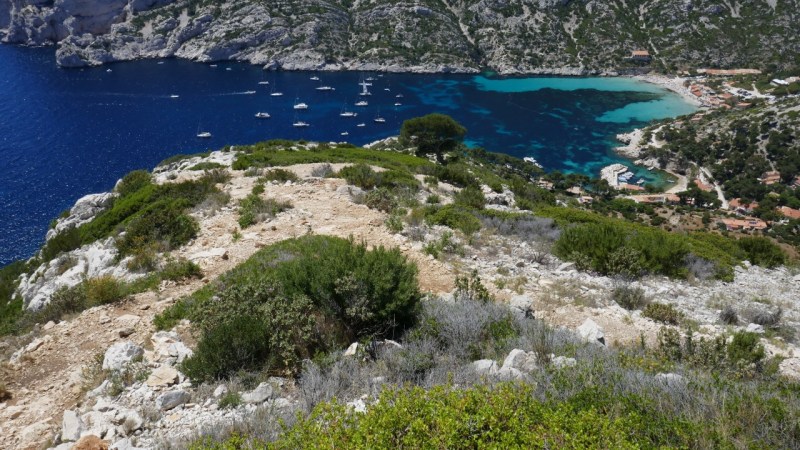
(37, 433)
(220, 391)
(509, 374)
(172, 399)
(121, 354)
(522, 305)
(168, 348)
(520, 360)
(71, 426)
(163, 376)
(352, 350)
(561, 362)
(258, 395)
(591, 332)
(124, 444)
(754, 328)
(670, 378)
(484, 367)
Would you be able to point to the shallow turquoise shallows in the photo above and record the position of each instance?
(67, 133)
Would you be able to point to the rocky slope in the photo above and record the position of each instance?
(513, 36)
(56, 373)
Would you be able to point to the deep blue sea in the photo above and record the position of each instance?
(67, 133)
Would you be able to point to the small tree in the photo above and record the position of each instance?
(434, 133)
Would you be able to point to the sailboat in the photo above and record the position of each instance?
(346, 113)
(299, 123)
(275, 93)
(362, 124)
(362, 103)
(364, 88)
(262, 115)
(325, 88)
(202, 134)
(378, 118)
(314, 78)
(299, 105)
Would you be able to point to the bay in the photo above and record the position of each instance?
(67, 133)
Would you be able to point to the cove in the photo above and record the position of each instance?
(67, 133)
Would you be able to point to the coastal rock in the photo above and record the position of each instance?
(163, 376)
(71, 426)
(258, 395)
(520, 360)
(168, 348)
(484, 367)
(84, 210)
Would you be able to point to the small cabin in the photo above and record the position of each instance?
(640, 55)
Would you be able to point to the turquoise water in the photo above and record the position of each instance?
(67, 133)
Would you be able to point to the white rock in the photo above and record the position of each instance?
(220, 391)
(172, 399)
(521, 304)
(71, 426)
(98, 424)
(520, 360)
(168, 348)
(670, 378)
(36, 433)
(591, 332)
(358, 405)
(509, 374)
(484, 367)
(124, 444)
(260, 394)
(560, 362)
(352, 349)
(120, 354)
(163, 376)
(754, 328)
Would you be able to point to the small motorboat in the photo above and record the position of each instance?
(262, 115)
(362, 103)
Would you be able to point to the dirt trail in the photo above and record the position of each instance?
(48, 380)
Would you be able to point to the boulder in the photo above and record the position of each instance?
(71, 426)
(172, 399)
(754, 328)
(220, 391)
(522, 305)
(120, 354)
(352, 350)
(484, 367)
(591, 332)
(98, 424)
(260, 394)
(168, 348)
(124, 444)
(509, 374)
(520, 360)
(34, 435)
(670, 379)
(560, 362)
(163, 376)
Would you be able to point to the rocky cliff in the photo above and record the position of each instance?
(510, 36)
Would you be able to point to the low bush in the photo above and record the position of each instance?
(365, 177)
(433, 199)
(454, 217)
(728, 316)
(470, 197)
(180, 269)
(103, 290)
(164, 223)
(206, 165)
(767, 318)
(230, 400)
(254, 209)
(133, 182)
(762, 251)
(471, 289)
(280, 175)
(322, 171)
(629, 297)
(445, 245)
(663, 313)
(381, 199)
(314, 293)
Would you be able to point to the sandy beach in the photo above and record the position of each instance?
(674, 84)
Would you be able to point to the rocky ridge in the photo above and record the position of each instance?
(517, 36)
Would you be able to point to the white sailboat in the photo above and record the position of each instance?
(299, 105)
(362, 103)
(202, 134)
(378, 118)
(364, 88)
(362, 124)
(325, 88)
(262, 115)
(299, 123)
(275, 93)
(314, 78)
(346, 113)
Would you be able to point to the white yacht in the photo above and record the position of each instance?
(378, 118)
(314, 78)
(204, 135)
(361, 125)
(362, 103)
(346, 113)
(325, 88)
(262, 115)
(174, 96)
(344, 133)
(300, 124)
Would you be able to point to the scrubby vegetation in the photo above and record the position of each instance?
(294, 299)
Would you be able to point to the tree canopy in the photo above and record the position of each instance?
(433, 133)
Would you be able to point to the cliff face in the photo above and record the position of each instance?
(427, 35)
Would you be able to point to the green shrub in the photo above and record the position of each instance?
(471, 289)
(506, 416)
(281, 175)
(163, 222)
(470, 197)
(133, 182)
(381, 199)
(180, 269)
(103, 290)
(315, 293)
(65, 241)
(745, 347)
(629, 297)
(444, 245)
(258, 189)
(433, 199)
(663, 313)
(230, 400)
(206, 165)
(762, 251)
(454, 217)
(254, 209)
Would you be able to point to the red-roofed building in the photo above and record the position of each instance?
(789, 213)
(747, 223)
(640, 55)
(656, 198)
(770, 177)
(703, 186)
(630, 187)
(742, 208)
